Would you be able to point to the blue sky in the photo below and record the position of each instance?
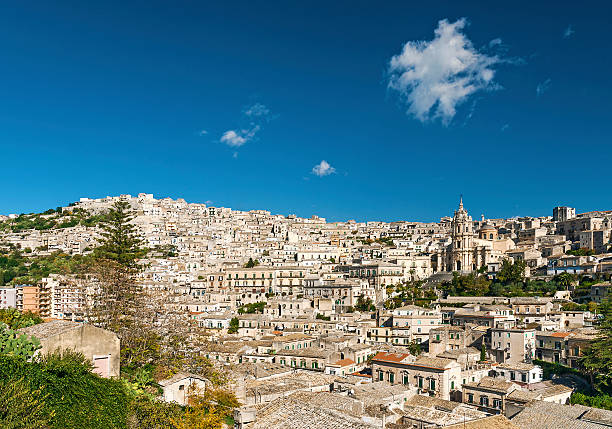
(239, 103)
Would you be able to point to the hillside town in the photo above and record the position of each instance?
(344, 324)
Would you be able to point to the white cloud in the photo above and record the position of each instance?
(543, 87)
(505, 127)
(256, 115)
(434, 77)
(495, 42)
(323, 169)
(257, 110)
(202, 133)
(569, 31)
(233, 139)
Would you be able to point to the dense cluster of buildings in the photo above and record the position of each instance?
(324, 348)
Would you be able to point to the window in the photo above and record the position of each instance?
(470, 398)
(484, 401)
(405, 379)
(432, 384)
(381, 376)
(391, 377)
(420, 382)
(452, 384)
(497, 403)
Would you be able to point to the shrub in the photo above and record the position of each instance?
(72, 395)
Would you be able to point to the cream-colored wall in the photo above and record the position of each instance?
(90, 341)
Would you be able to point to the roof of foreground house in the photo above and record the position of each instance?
(50, 329)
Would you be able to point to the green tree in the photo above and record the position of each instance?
(364, 304)
(511, 272)
(120, 239)
(414, 348)
(564, 279)
(233, 326)
(120, 304)
(252, 308)
(597, 359)
(483, 352)
(17, 320)
(251, 263)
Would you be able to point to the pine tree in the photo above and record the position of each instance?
(120, 239)
(483, 352)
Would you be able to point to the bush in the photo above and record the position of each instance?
(71, 394)
(21, 407)
(549, 369)
(597, 401)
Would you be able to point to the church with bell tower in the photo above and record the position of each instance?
(462, 241)
(465, 252)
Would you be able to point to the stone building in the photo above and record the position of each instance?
(466, 252)
(98, 345)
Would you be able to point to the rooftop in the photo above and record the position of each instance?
(49, 329)
(294, 413)
(495, 384)
(546, 415)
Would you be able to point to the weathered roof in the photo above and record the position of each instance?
(493, 422)
(294, 413)
(546, 415)
(495, 384)
(181, 376)
(518, 366)
(377, 392)
(433, 362)
(49, 329)
(523, 396)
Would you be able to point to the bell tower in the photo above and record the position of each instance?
(461, 258)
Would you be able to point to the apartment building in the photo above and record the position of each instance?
(432, 376)
(512, 345)
(8, 297)
(489, 394)
(521, 373)
(551, 346)
(492, 316)
(413, 324)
